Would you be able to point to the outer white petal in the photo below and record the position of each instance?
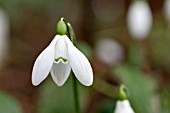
(60, 72)
(79, 64)
(123, 107)
(139, 19)
(43, 63)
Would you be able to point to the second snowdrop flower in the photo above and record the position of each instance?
(59, 58)
(123, 104)
(139, 19)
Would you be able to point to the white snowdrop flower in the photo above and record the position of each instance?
(59, 58)
(109, 51)
(167, 9)
(139, 19)
(4, 33)
(123, 107)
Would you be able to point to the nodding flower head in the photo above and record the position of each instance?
(59, 58)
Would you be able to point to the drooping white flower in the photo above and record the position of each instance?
(59, 58)
(139, 19)
(167, 9)
(109, 51)
(123, 107)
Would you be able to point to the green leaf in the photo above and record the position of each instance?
(8, 104)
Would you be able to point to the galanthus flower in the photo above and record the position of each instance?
(139, 19)
(123, 104)
(123, 107)
(59, 58)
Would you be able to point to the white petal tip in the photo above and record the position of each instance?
(35, 83)
(36, 80)
(88, 82)
(60, 84)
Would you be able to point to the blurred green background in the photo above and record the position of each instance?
(142, 65)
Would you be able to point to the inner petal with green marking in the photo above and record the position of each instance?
(60, 58)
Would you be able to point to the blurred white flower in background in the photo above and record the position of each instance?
(139, 19)
(167, 10)
(4, 33)
(123, 107)
(109, 51)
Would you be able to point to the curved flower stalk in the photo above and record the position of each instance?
(59, 58)
(123, 104)
(139, 19)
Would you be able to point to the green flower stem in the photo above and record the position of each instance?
(72, 37)
(76, 95)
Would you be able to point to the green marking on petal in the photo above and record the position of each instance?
(57, 59)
